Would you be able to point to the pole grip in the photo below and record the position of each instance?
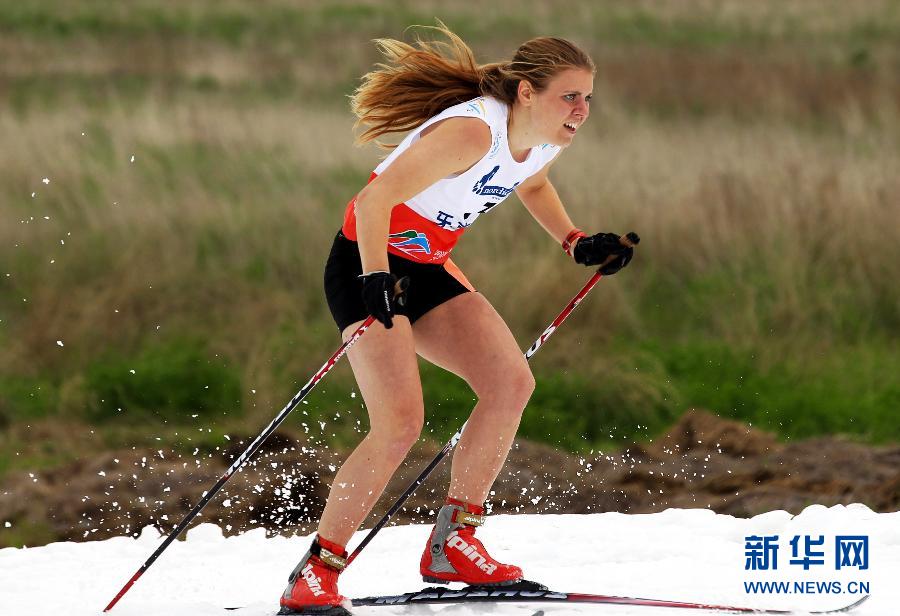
(630, 240)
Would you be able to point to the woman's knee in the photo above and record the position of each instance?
(397, 432)
(513, 382)
(522, 383)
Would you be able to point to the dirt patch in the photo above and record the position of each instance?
(703, 461)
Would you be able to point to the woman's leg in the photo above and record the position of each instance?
(386, 370)
(466, 336)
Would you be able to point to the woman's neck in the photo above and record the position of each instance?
(519, 133)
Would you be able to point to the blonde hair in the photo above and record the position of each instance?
(420, 80)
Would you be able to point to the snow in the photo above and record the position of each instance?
(690, 555)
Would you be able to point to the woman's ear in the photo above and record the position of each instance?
(525, 92)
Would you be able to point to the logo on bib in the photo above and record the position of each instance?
(410, 242)
(482, 188)
(477, 107)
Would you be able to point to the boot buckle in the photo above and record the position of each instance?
(469, 519)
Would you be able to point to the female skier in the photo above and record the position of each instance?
(479, 132)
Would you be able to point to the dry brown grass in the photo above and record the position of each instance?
(706, 195)
(817, 216)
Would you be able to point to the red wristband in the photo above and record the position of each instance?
(573, 235)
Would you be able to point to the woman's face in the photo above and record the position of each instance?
(563, 106)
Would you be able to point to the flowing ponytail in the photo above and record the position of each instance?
(419, 81)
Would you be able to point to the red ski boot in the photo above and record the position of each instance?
(453, 554)
(312, 585)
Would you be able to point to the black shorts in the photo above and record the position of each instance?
(430, 285)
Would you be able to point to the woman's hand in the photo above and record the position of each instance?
(608, 250)
(380, 291)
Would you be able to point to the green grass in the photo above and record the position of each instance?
(24, 398)
(853, 390)
(28, 533)
(37, 458)
(168, 381)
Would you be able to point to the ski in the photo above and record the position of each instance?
(492, 595)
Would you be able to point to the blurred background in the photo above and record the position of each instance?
(172, 175)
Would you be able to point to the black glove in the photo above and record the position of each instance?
(606, 250)
(380, 291)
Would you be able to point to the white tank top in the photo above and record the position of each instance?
(453, 203)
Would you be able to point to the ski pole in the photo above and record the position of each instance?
(240, 460)
(399, 289)
(628, 240)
